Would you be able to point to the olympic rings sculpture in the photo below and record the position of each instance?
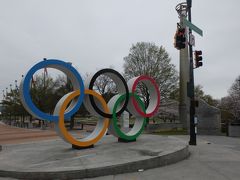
(83, 93)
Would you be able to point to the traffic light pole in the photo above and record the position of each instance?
(192, 140)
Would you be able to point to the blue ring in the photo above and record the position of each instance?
(27, 81)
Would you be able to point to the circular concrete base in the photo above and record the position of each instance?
(55, 159)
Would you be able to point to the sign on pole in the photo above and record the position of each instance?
(192, 40)
(192, 26)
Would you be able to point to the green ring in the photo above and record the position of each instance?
(114, 118)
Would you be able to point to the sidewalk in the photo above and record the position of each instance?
(214, 158)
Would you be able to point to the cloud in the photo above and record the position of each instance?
(94, 34)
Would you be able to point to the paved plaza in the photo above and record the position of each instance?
(214, 157)
(56, 159)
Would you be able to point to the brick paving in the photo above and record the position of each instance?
(15, 135)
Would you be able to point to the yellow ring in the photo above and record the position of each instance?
(67, 136)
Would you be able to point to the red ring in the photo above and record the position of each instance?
(138, 79)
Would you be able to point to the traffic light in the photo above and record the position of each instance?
(198, 59)
(180, 39)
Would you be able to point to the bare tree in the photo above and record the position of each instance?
(199, 93)
(231, 103)
(104, 86)
(148, 59)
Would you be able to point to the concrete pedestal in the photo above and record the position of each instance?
(55, 159)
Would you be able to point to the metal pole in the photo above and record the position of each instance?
(44, 78)
(192, 140)
(44, 92)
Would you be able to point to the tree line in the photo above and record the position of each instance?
(144, 58)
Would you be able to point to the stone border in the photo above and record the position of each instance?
(154, 162)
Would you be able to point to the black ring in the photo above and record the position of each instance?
(96, 75)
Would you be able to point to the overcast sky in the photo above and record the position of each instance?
(94, 34)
